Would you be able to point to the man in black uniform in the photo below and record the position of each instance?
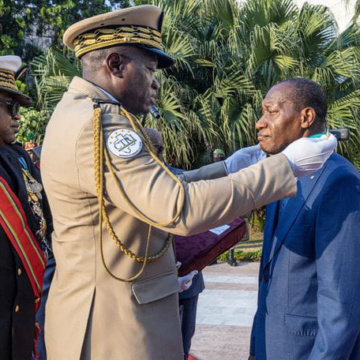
(24, 225)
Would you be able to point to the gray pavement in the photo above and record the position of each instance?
(225, 312)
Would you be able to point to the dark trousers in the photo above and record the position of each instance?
(188, 320)
(40, 316)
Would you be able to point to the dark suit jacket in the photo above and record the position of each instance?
(16, 327)
(309, 283)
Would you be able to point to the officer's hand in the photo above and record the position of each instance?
(306, 155)
(243, 158)
(251, 357)
(186, 281)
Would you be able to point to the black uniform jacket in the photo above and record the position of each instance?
(17, 307)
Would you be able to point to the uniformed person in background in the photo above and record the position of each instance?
(218, 155)
(115, 290)
(25, 224)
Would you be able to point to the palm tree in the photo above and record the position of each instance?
(241, 51)
(53, 72)
(305, 42)
(228, 56)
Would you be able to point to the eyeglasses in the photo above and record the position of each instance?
(12, 106)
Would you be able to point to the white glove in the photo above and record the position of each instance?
(306, 155)
(186, 281)
(243, 158)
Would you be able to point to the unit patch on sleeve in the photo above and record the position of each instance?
(124, 143)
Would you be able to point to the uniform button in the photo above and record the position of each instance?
(19, 271)
(312, 177)
(17, 308)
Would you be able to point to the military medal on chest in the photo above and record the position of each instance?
(34, 189)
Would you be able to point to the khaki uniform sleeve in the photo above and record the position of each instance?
(154, 194)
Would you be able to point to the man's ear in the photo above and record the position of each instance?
(116, 64)
(308, 116)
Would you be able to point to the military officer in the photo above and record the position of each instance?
(25, 224)
(115, 291)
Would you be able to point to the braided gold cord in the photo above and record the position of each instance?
(129, 253)
(140, 29)
(103, 216)
(8, 85)
(82, 51)
(100, 31)
(98, 166)
(97, 151)
(7, 76)
(119, 30)
(99, 185)
(125, 37)
(136, 125)
(105, 37)
(7, 71)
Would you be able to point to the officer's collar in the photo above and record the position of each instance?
(107, 94)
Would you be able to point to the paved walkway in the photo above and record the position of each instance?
(225, 312)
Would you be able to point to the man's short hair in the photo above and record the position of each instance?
(308, 93)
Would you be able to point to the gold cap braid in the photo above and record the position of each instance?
(136, 25)
(105, 37)
(7, 79)
(10, 71)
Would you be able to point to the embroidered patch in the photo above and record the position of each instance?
(124, 143)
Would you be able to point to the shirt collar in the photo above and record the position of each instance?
(107, 94)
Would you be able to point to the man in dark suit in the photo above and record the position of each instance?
(309, 283)
(24, 225)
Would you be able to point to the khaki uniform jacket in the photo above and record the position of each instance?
(89, 314)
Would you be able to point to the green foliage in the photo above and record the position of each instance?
(235, 54)
(32, 125)
(53, 72)
(228, 56)
(21, 21)
(257, 219)
(241, 255)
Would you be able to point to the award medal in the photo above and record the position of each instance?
(34, 189)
